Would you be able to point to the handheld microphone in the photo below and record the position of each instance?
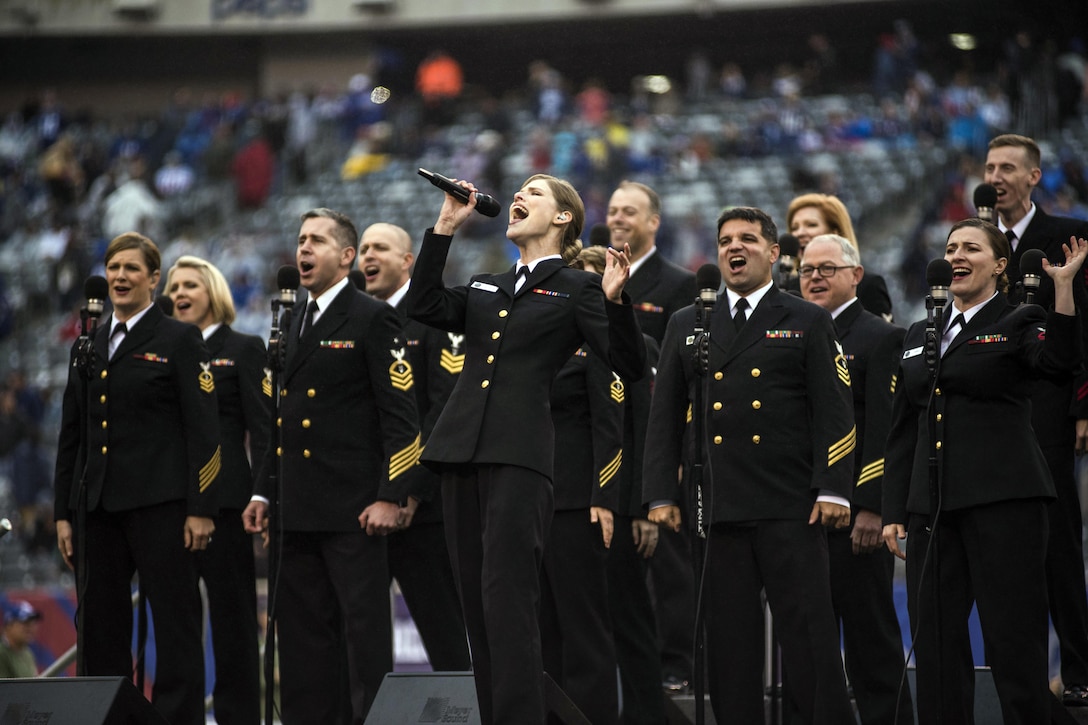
(985, 201)
(485, 204)
(165, 304)
(358, 279)
(789, 248)
(96, 290)
(287, 281)
(600, 236)
(1031, 267)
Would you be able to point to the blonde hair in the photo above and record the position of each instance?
(594, 256)
(833, 210)
(220, 302)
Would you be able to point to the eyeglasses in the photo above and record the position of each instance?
(824, 270)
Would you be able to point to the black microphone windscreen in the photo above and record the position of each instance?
(1032, 262)
(358, 279)
(165, 304)
(96, 288)
(939, 273)
(599, 236)
(708, 277)
(788, 245)
(985, 196)
(287, 277)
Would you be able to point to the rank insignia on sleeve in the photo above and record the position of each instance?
(207, 382)
(452, 359)
(266, 383)
(841, 368)
(400, 372)
(616, 388)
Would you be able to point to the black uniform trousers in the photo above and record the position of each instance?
(575, 624)
(990, 556)
(148, 540)
(420, 562)
(788, 559)
(861, 595)
(230, 578)
(333, 596)
(633, 629)
(496, 519)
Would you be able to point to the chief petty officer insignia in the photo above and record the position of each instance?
(616, 388)
(452, 360)
(207, 382)
(266, 384)
(400, 372)
(841, 366)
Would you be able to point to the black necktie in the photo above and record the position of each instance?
(308, 320)
(1011, 236)
(740, 318)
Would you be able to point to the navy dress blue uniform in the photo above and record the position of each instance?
(1056, 408)
(658, 289)
(587, 402)
(494, 444)
(349, 437)
(152, 459)
(861, 584)
(418, 557)
(244, 392)
(992, 531)
(780, 429)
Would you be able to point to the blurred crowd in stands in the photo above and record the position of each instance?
(211, 173)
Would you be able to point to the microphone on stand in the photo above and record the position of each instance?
(1031, 269)
(939, 278)
(789, 248)
(708, 279)
(287, 281)
(600, 236)
(358, 279)
(485, 204)
(96, 290)
(985, 201)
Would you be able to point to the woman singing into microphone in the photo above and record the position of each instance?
(494, 442)
(150, 465)
(990, 520)
(202, 297)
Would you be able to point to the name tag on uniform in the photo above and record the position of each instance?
(484, 286)
(913, 352)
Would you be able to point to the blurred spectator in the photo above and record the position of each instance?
(20, 631)
(697, 76)
(1069, 81)
(820, 71)
(439, 80)
(367, 154)
(253, 168)
(732, 81)
(301, 133)
(16, 141)
(132, 207)
(593, 103)
(547, 87)
(60, 169)
(48, 118)
(995, 110)
(174, 177)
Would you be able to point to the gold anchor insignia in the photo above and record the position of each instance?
(400, 372)
(207, 381)
(616, 388)
(841, 366)
(455, 342)
(266, 383)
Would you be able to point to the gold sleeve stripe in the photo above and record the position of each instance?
(843, 448)
(688, 415)
(210, 470)
(609, 471)
(895, 379)
(871, 471)
(404, 459)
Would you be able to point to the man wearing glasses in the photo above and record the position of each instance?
(861, 568)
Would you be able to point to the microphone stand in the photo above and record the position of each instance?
(277, 358)
(698, 543)
(85, 361)
(934, 333)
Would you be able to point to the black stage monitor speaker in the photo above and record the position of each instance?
(75, 701)
(450, 697)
